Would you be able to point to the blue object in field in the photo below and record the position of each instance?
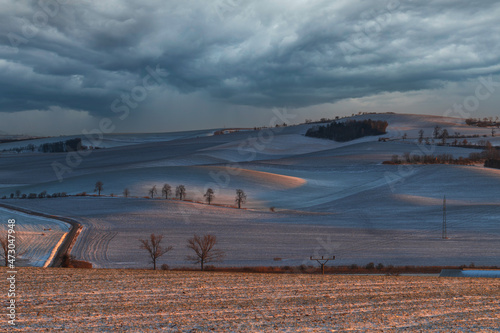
(470, 273)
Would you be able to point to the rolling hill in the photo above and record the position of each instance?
(305, 195)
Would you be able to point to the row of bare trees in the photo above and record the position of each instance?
(180, 192)
(202, 246)
(166, 191)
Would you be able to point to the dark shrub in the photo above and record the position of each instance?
(66, 260)
(370, 266)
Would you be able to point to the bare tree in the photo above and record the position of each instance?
(420, 136)
(4, 243)
(18, 192)
(209, 195)
(180, 191)
(16, 251)
(153, 192)
(126, 193)
(99, 186)
(166, 190)
(67, 260)
(152, 245)
(444, 135)
(241, 197)
(437, 131)
(204, 249)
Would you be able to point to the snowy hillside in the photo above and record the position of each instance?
(301, 191)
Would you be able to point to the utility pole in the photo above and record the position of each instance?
(322, 261)
(444, 234)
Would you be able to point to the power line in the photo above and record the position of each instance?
(322, 261)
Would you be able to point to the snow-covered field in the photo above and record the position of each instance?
(36, 236)
(108, 140)
(163, 301)
(306, 196)
(113, 227)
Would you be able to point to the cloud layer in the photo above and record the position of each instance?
(261, 54)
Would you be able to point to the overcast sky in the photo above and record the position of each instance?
(153, 66)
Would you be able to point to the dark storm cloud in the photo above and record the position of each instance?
(258, 53)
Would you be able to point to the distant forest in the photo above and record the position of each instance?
(485, 122)
(348, 130)
(61, 146)
(52, 147)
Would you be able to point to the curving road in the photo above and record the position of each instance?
(68, 242)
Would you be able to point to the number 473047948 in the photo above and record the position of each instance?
(11, 252)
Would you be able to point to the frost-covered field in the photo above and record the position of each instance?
(36, 236)
(162, 301)
(112, 228)
(327, 197)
